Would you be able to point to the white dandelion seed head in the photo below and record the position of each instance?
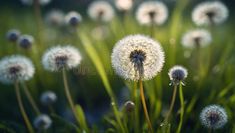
(177, 73)
(61, 57)
(100, 32)
(55, 18)
(134, 50)
(208, 13)
(73, 18)
(196, 38)
(42, 122)
(213, 116)
(152, 12)
(48, 98)
(16, 68)
(13, 35)
(25, 41)
(30, 2)
(124, 5)
(101, 11)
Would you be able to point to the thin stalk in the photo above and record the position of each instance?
(37, 12)
(22, 110)
(172, 104)
(144, 106)
(68, 94)
(136, 111)
(182, 107)
(30, 98)
(152, 30)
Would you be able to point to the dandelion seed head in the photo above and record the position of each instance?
(30, 2)
(100, 32)
(73, 18)
(208, 13)
(196, 38)
(129, 106)
(55, 18)
(213, 116)
(25, 41)
(42, 122)
(177, 74)
(48, 98)
(16, 68)
(152, 12)
(124, 5)
(13, 35)
(137, 57)
(61, 57)
(101, 11)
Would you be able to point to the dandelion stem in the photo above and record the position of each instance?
(30, 98)
(22, 110)
(38, 18)
(182, 107)
(136, 100)
(152, 33)
(68, 94)
(144, 106)
(172, 104)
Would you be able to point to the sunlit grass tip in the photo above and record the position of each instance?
(61, 57)
(16, 68)
(152, 12)
(210, 13)
(101, 11)
(213, 117)
(196, 38)
(137, 57)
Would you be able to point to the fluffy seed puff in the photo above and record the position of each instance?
(55, 18)
(42, 122)
(48, 98)
(30, 2)
(101, 11)
(177, 74)
(16, 68)
(210, 13)
(213, 117)
(124, 5)
(152, 12)
(196, 38)
(73, 18)
(13, 35)
(25, 41)
(137, 57)
(61, 57)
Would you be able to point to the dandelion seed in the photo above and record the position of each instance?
(124, 5)
(55, 18)
(13, 35)
(213, 117)
(25, 41)
(137, 57)
(196, 38)
(177, 74)
(61, 57)
(48, 98)
(209, 13)
(129, 106)
(152, 12)
(15, 68)
(42, 122)
(73, 18)
(30, 2)
(101, 11)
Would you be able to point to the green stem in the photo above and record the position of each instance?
(37, 12)
(22, 110)
(30, 98)
(144, 106)
(68, 94)
(136, 115)
(172, 104)
(182, 107)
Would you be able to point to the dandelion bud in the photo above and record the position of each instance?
(129, 106)
(213, 117)
(48, 98)
(73, 18)
(42, 122)
(13, 35)
(25, 41)
(177, 74)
